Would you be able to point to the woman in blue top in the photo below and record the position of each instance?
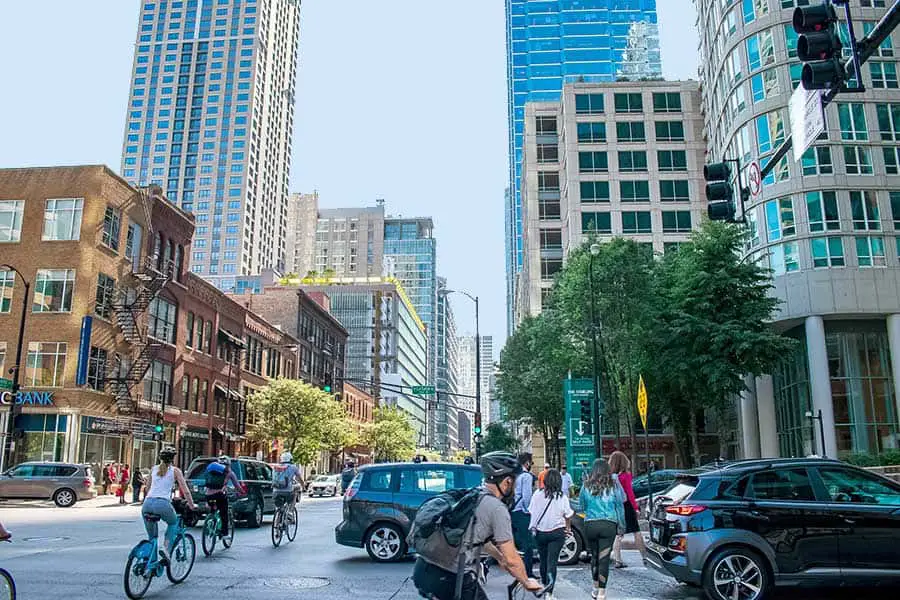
(602, 500)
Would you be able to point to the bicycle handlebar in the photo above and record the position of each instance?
(515, 585)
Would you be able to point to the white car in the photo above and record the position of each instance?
(325, 485)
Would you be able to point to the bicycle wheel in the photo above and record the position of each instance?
(7, 586)
(278, 527)
(293, 521)
(184, 551)
(210, 529)
(227, 540)
(137, 575)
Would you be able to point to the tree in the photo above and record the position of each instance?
(497, 438)
(429, 454)
(460, 456)
(303, 417)
(391, 436)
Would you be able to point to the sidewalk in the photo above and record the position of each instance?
(108, 501)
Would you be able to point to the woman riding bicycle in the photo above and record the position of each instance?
(157, 501)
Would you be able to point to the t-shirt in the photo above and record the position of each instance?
(284, 476)
(567, 483)
(556, 514)
(492, 523)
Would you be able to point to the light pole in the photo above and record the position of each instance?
(10, 445)
(598, 442)
(477, 370)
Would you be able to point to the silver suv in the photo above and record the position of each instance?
(64, 483)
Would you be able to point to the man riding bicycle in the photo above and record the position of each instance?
(218, 474)
(286, 476)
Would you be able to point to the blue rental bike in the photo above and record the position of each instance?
(144, 563)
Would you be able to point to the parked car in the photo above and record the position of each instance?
(325, 485)
(742, 528)
(255, 475)
(64, 483)
(661, 481)
(381, 503)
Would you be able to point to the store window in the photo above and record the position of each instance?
(43, 438)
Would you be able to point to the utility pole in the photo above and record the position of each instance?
(10, 445)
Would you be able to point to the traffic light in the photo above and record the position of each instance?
(327, 389)
(719, 192)
(158, 432)
(819, 47)
(158, 429)
(477, 428)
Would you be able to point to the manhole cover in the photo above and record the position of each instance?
(45, 539)
(296, 583)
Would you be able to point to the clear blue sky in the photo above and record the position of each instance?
(397, 99)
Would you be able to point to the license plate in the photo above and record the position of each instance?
(655, 533)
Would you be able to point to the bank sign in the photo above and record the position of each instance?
(29, 398)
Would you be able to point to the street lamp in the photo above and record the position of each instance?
(817, 417)
(10, 445)
(598, 443)
(477, 369)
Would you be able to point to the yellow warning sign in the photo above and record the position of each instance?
(642, 402)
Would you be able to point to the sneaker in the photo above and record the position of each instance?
(164, 555)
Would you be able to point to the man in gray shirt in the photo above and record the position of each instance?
(521, 518)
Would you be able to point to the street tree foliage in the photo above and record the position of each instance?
(498, 438)
(460, 456)
(305, 419)
(390, 435)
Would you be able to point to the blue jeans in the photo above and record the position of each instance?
(163, 508)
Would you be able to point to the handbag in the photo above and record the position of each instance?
(534, 529)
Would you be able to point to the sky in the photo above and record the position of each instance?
(403, 100)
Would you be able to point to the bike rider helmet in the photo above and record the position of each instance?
(225, 460)
(497, 465)
(287, 457)
(167, 454)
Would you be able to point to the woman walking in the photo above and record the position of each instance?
(137, 482)
(621, 468)
(124, 478)
(550, 521)
(602, 500)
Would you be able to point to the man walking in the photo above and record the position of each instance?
(567, 482)
(521, 518)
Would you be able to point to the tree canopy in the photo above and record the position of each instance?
(390, 435)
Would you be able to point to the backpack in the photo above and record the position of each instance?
(440, 526)
(283, 477)
(215, 476)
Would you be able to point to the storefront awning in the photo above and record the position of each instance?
(226, 392)
(227, 337)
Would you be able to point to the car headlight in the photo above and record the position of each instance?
(195, 488)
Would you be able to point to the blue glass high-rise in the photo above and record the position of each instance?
(550, 42)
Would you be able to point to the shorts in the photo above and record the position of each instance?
(283, 496)
(631, 520)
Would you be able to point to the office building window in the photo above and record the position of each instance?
(628, 103)
(666, 102)
(106, 289)
(895, 210)
(162, 320)
(96, 375)
(7, 285)
(888, 121)
(634, 191)
(822, 210)
(11, 220)
(817, 161)
(891, 159)
(827, 252)
(589, 104)
(785, 258)
(594, 191)
(630, 131)
(858, 160)
(672, 160)
(676, 221)
(547, 153)
(864, 210)
(46, 364)
(674, 190)
(632, 161)
(545, 125)
(669, 131)
(761, 49)
(548, 208)
(780, 218)
(551, 239)
(53, 290)
(591, 133)
(112, 225)
(548, 181)
(636, 222)
(550, 267)
(852, 117)
(870, 251)
(596, 223)
(62, 219)
(884, 75)
(592, 162)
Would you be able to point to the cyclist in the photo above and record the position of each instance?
(286, 476)
(157, 501)
(492, 533)
(218, 474)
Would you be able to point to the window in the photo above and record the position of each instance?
(53, 290)
(594, 191)
(591, 133)
(428, 481)
(106, 288)
(161, 320)
(676, 221)
(632, 161)
(62, 219)
(858, 160)
(548, 181)
(677, 190)
(884, 75)
(754, 8)
(112, 223)
(634, 191)
(158, 382)
(764, 85)
(891, 159)
(666, 102)
(7, 284)
(204, 397)
(780, 218)
(822, 209)
(852, 117)
(377, 480)
(208, 336)
(858, 487)
(550, 267)
(761, 49)
(790, 38)
(888, 121)
(630, 131)
(864, 210)
(589, 104)
(635, 222)
(628, 103)
(870, 251)
(785, 258)
(548, 208)
(11, 220)
(788, 484)
(817, 161)
(551, 239)
(895, 210)
(669, 131)
(591, 162)
(547, 153)
(96, 375)
(46, 364)
(770, 131)
(133, 243)
(199, 334)
(195, 396)
(189, 324)
(543, 125)
(827, 252)
(672, 160)
(596, 222)
(186, 392)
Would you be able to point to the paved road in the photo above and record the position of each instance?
(80, 553)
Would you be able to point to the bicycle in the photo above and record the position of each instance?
(7, 585)
(516, 591)
(144, 563)
(285, 520)
(212, 527)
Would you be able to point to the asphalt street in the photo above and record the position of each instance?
(80, 552)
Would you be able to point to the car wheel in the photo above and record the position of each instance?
(736, 572)
(385, 543)
(64, 498)
(571, 550)
(255, 518)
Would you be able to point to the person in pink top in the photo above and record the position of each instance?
(621, 467)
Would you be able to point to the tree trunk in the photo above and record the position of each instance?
(557, 459)
(695, 437)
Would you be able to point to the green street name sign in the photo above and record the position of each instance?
(5, 384)
(423, 390)
(580, 451)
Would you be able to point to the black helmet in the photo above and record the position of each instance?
(167, 454)
(496, 465)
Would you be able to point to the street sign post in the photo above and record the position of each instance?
(580, 451)
(807, 113)
(423, 390)
(643, 406)
(642, 402)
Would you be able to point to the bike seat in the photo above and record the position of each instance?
(152, 518)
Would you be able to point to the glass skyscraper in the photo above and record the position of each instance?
(210, 119)
(550, 42)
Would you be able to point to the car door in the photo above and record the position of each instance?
(419, 483)
(869, 508)
(374, 500)
(14, 483)
(781, 506)
(58, 476)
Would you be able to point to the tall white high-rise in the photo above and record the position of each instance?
(210, 119)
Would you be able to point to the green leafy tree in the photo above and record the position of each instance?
(390, 435)
(498, 438)
(460, 456)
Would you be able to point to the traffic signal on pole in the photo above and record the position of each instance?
(477, 428)
(819, 47)
(158, 429)
(586, 416)
(327, 389)
(719, 192)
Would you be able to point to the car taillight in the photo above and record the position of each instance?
(351, 491)
(678, 543)
(88, 483)
(685, 510)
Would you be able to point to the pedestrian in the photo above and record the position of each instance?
(107, 478)
(620, 466)
(137, 482)
(602, 500)
(567, 483)
(551, 516)
(521, 518)
(543, 474)
(347, 476)
(124, 479)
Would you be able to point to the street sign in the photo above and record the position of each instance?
(807, 114)
(423, 390)
(642, 402)
(5, 384)
(754, 179)
(580, 450)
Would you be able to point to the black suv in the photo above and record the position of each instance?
(739, 529)
(256, 477)
(381, 503)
